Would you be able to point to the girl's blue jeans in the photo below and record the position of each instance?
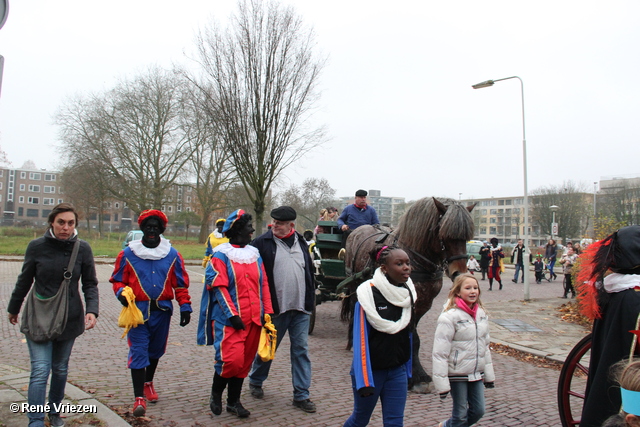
(50, 356)
(551, 264)
(468, 403)
(391, 388)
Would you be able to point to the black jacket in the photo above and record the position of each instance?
(45, 261)
(267, 247)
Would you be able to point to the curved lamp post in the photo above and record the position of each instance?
(489, 83)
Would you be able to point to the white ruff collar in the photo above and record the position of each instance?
(616, 282)
(396, 295)
(217, 234)
(246, 255)
(159, 252)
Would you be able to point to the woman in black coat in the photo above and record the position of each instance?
(45, 261)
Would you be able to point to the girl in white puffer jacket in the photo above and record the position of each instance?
(461, 356)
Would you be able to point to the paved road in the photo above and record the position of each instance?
(524, 394)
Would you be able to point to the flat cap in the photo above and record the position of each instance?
(284, 213)
(361, 193)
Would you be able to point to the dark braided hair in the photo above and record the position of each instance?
(380, 253)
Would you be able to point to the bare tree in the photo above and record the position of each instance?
(4, 160)
(574, 203)
(308, 199)
(621, 203)
(135, 135)
(261, 75)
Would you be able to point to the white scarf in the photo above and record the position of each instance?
(396, 295)
(616, 282)
(245, 255)
(159, 252)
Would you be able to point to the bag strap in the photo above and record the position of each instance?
(72, 261)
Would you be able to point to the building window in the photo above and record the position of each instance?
(20, 211)
(492, 220)
(34, 188)
(188, 199)
(0, 184)
(483, 220)
(483, 230)
(170, 209)
(508, 202)
(492, 230)
(33, 200)
(23, 175)
(49, 177)
(32, 213)
(60, 190)
(22, 187)
(60, 200)
(45, 212)
(21, 199)
(1, 173)
(49, 189)
(48, 201)
(188, 208)
(35, 176)
(117, 205)
(493, 212)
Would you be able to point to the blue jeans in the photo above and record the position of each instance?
(391, 388)
(551, 264)
(297, 323)
(468, 403)
(51, 356)
(519, 267)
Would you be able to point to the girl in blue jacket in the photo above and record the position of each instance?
(382, 334)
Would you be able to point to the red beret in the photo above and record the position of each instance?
(153, 212)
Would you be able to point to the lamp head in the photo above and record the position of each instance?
(554, 208)
(483, 84)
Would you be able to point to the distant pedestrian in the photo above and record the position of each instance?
(538, 267)
(472, 264)
(461, 356)
(495, 264)
(517, 258)
(613, 302)
(382, 334)
(550, 253)
(216, 238)
(485, 257)
(567, 262)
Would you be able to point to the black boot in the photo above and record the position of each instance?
(215, 400)
(500, 284)
(490, 284)
(233, 401)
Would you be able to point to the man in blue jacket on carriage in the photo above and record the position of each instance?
(355, 215)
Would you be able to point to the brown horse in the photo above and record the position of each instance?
(434, 233)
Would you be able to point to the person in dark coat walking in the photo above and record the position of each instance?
(485, 257)
(45, 262)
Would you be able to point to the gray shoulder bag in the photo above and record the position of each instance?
(44, 319)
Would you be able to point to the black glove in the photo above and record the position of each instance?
(185, 318)
(123, 300)
(489, 385)
(444, 395)
(236, 322)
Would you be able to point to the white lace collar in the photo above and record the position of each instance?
(159, 252)
(246, 255)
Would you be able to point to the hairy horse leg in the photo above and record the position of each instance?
(421, 381)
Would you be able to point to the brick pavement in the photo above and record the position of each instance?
(524, 394)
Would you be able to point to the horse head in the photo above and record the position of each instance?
(455, 229)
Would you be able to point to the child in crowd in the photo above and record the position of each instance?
(538, 266)
(461, 356)
(382, 333)
(630, 390)
(472, 264)
(567, 262)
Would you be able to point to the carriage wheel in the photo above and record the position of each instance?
(572, 383)
(312, 318)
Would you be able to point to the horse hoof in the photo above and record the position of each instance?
(422, 388)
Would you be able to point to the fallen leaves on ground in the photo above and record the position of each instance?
(538, 361)
(570, 312)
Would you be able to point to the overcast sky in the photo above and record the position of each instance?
(396, 92)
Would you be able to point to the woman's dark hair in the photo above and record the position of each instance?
(237, 226)
(60, 208)
(380, 253)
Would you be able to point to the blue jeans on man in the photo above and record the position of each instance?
(519, 267)
(391, 389)
(297, 323)
(468, 403)
(47, 357)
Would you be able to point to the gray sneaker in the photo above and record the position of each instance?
(256, 391)
(306, 405)
(55, 420)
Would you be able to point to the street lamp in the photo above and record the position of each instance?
(554, 226)
(489, 83)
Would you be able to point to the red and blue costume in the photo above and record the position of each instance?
(235, 285)
(156, 276)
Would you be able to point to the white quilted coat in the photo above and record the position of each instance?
(461, 348)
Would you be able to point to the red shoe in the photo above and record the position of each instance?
(139, 407)
(150, 392)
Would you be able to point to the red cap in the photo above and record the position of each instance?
(153, 212)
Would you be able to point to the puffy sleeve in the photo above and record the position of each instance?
(445, 330)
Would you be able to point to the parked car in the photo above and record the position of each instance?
(132, 235)
(473, 248)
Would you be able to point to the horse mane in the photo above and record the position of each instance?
(423, 215)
